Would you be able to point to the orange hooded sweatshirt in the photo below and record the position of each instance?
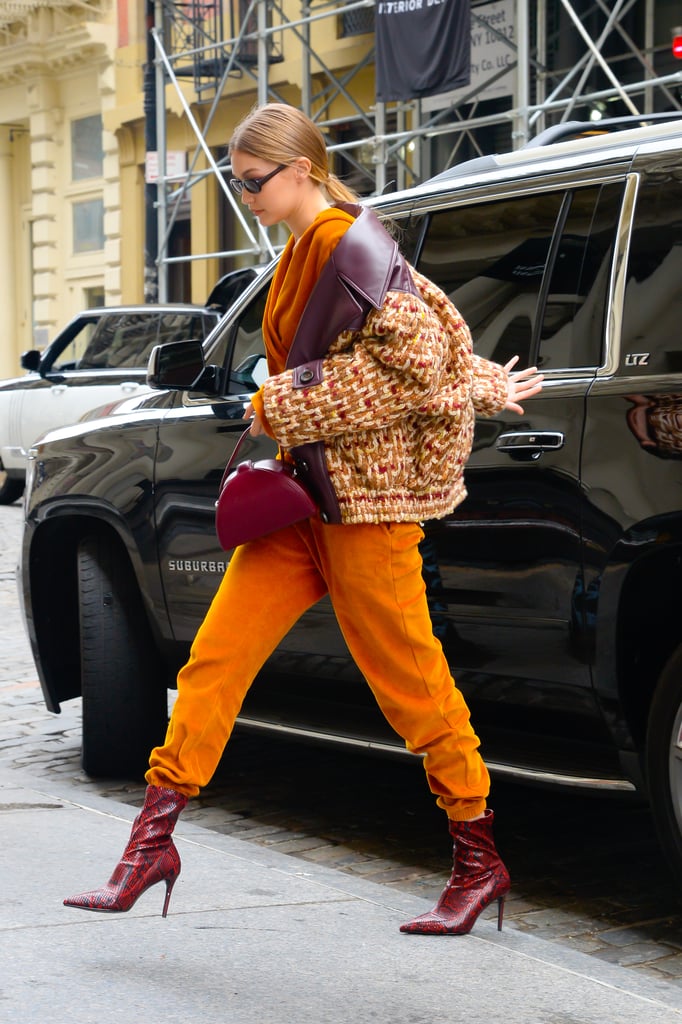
(296, 275)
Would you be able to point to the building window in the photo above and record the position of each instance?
(88, 225)
(86, 148)
(93, 297)
(357, 22)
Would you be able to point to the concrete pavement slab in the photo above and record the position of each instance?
(251, 937)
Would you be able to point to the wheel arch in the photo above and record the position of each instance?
(641, 595)
(663, 765)
(53, 589)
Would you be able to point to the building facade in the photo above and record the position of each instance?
(59, 190)
(90, 217)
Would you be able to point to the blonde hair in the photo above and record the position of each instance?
(281, 133)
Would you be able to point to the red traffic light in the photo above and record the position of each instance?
(677, 44)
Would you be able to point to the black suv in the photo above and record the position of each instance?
(556, 588)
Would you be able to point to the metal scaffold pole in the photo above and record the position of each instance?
(151, 223)
(161, 151)
(535, 36)
(520, 134)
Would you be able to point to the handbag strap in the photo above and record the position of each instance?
(233, 456)
(237, 449)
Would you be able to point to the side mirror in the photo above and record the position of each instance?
(31, 360)
(180, 366)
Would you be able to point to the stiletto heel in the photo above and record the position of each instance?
(150, 857)
(478, 878)
(170, 882)
(500, 912)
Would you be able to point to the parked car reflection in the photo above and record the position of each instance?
(99, 357)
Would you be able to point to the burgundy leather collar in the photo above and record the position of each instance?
(363, 267)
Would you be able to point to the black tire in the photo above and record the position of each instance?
(125, 700)
(11, 488)
(664, 760)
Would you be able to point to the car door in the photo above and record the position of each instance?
(26, 402)
(530, 274)
(196, 439)
(632, 451)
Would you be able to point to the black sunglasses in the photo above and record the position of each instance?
(254, 185)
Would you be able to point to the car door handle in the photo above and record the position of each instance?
(529, 444)
(130, 385)
(58, 389)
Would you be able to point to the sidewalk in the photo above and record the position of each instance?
(251, 937)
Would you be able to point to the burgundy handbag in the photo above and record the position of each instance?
(257, 498)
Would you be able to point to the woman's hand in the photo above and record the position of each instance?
(522, 384)
(256, 428)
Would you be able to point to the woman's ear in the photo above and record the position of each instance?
(303, 167)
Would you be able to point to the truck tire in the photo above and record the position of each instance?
(11, 487)
(125, 701)
(664, 760)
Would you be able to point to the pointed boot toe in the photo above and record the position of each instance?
(425, 924)
(105, 900)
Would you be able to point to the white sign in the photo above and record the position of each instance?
(490, 54)
(176, 165)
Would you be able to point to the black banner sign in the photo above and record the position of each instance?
(423, 47)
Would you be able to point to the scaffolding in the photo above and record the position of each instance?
(560, 60)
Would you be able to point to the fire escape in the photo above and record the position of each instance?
(574, 59)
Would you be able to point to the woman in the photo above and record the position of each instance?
(374, 379)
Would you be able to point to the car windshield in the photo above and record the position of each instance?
(125, 340)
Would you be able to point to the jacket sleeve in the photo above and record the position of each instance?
(489, 383)
(390, 367)
(490, 387)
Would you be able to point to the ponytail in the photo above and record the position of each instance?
(338, 192)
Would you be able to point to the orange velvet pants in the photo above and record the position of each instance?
(373, 576)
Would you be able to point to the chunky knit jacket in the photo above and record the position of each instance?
(395, 406)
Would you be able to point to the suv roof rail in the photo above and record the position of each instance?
(479, 163)
(591, 129)
(565, 132)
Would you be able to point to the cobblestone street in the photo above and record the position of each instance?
(586, 871)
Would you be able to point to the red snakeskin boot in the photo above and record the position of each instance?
(478, 878)
(149, 857)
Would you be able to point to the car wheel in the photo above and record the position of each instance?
(125, 701)
(11, 487)
(664, 760)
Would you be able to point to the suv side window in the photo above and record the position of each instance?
(248, 338)
(489, 259)
(652, 314)
(242, 340)
(571, 330)
(529, 274)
